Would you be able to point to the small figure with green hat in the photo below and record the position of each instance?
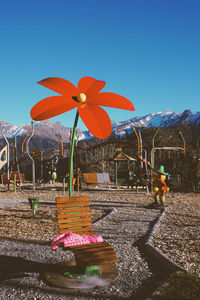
(160, 187)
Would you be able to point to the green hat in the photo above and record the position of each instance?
(161, 170)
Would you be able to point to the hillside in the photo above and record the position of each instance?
(170, 123)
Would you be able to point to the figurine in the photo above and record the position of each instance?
(160, 187)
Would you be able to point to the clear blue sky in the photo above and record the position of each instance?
(145, 50)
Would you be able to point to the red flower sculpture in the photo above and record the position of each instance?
(86, 98)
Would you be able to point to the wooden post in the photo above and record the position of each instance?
(78, 173)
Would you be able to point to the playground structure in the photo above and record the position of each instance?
(183, 167)
(96, 157)
(4, 154)
(181, 164)
(173, 158)
(116, 157)
(121, 158)
(143, 176)
(167, 150)
(11, 171)
(140, 151)
(5, 160)
(14, 164)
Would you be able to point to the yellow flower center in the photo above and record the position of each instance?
(81, 97)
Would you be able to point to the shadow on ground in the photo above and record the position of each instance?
(159, 273)
(14, 267)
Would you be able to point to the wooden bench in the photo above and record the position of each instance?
(73, 215)
(97, 179)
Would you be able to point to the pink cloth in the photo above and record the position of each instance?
(68, 239)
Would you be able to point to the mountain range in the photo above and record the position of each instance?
(48, 130)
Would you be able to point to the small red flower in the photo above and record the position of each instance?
(86, 98)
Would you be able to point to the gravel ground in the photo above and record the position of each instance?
(22, 263)
(179, 234)
(19, 222)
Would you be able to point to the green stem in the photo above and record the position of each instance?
(72, 154)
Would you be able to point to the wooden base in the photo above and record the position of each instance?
(108, 273)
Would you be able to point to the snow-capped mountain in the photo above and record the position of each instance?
(161, 119)
(11, 131)
(44, 129)
(48, 129)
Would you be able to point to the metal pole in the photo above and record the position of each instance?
(8, 159)
(22, 147)
(153, 146)
(15, 183)
(109, 170)
(115, 173)
(41, 166)
(198, 143)
(145, 153)
(152, 157)
(138, 146)
(15, 162)
(15, 151)
(61, 144)
(64, 185)
(138, 142)
(33, 162)
(141, 154)
(4, 158)
(182, 137)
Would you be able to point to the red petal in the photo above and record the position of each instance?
(89, 85)
(51, 107)
(59, 85)
(111, 100)
(84, 84)
(96, 120)
(95, 88)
